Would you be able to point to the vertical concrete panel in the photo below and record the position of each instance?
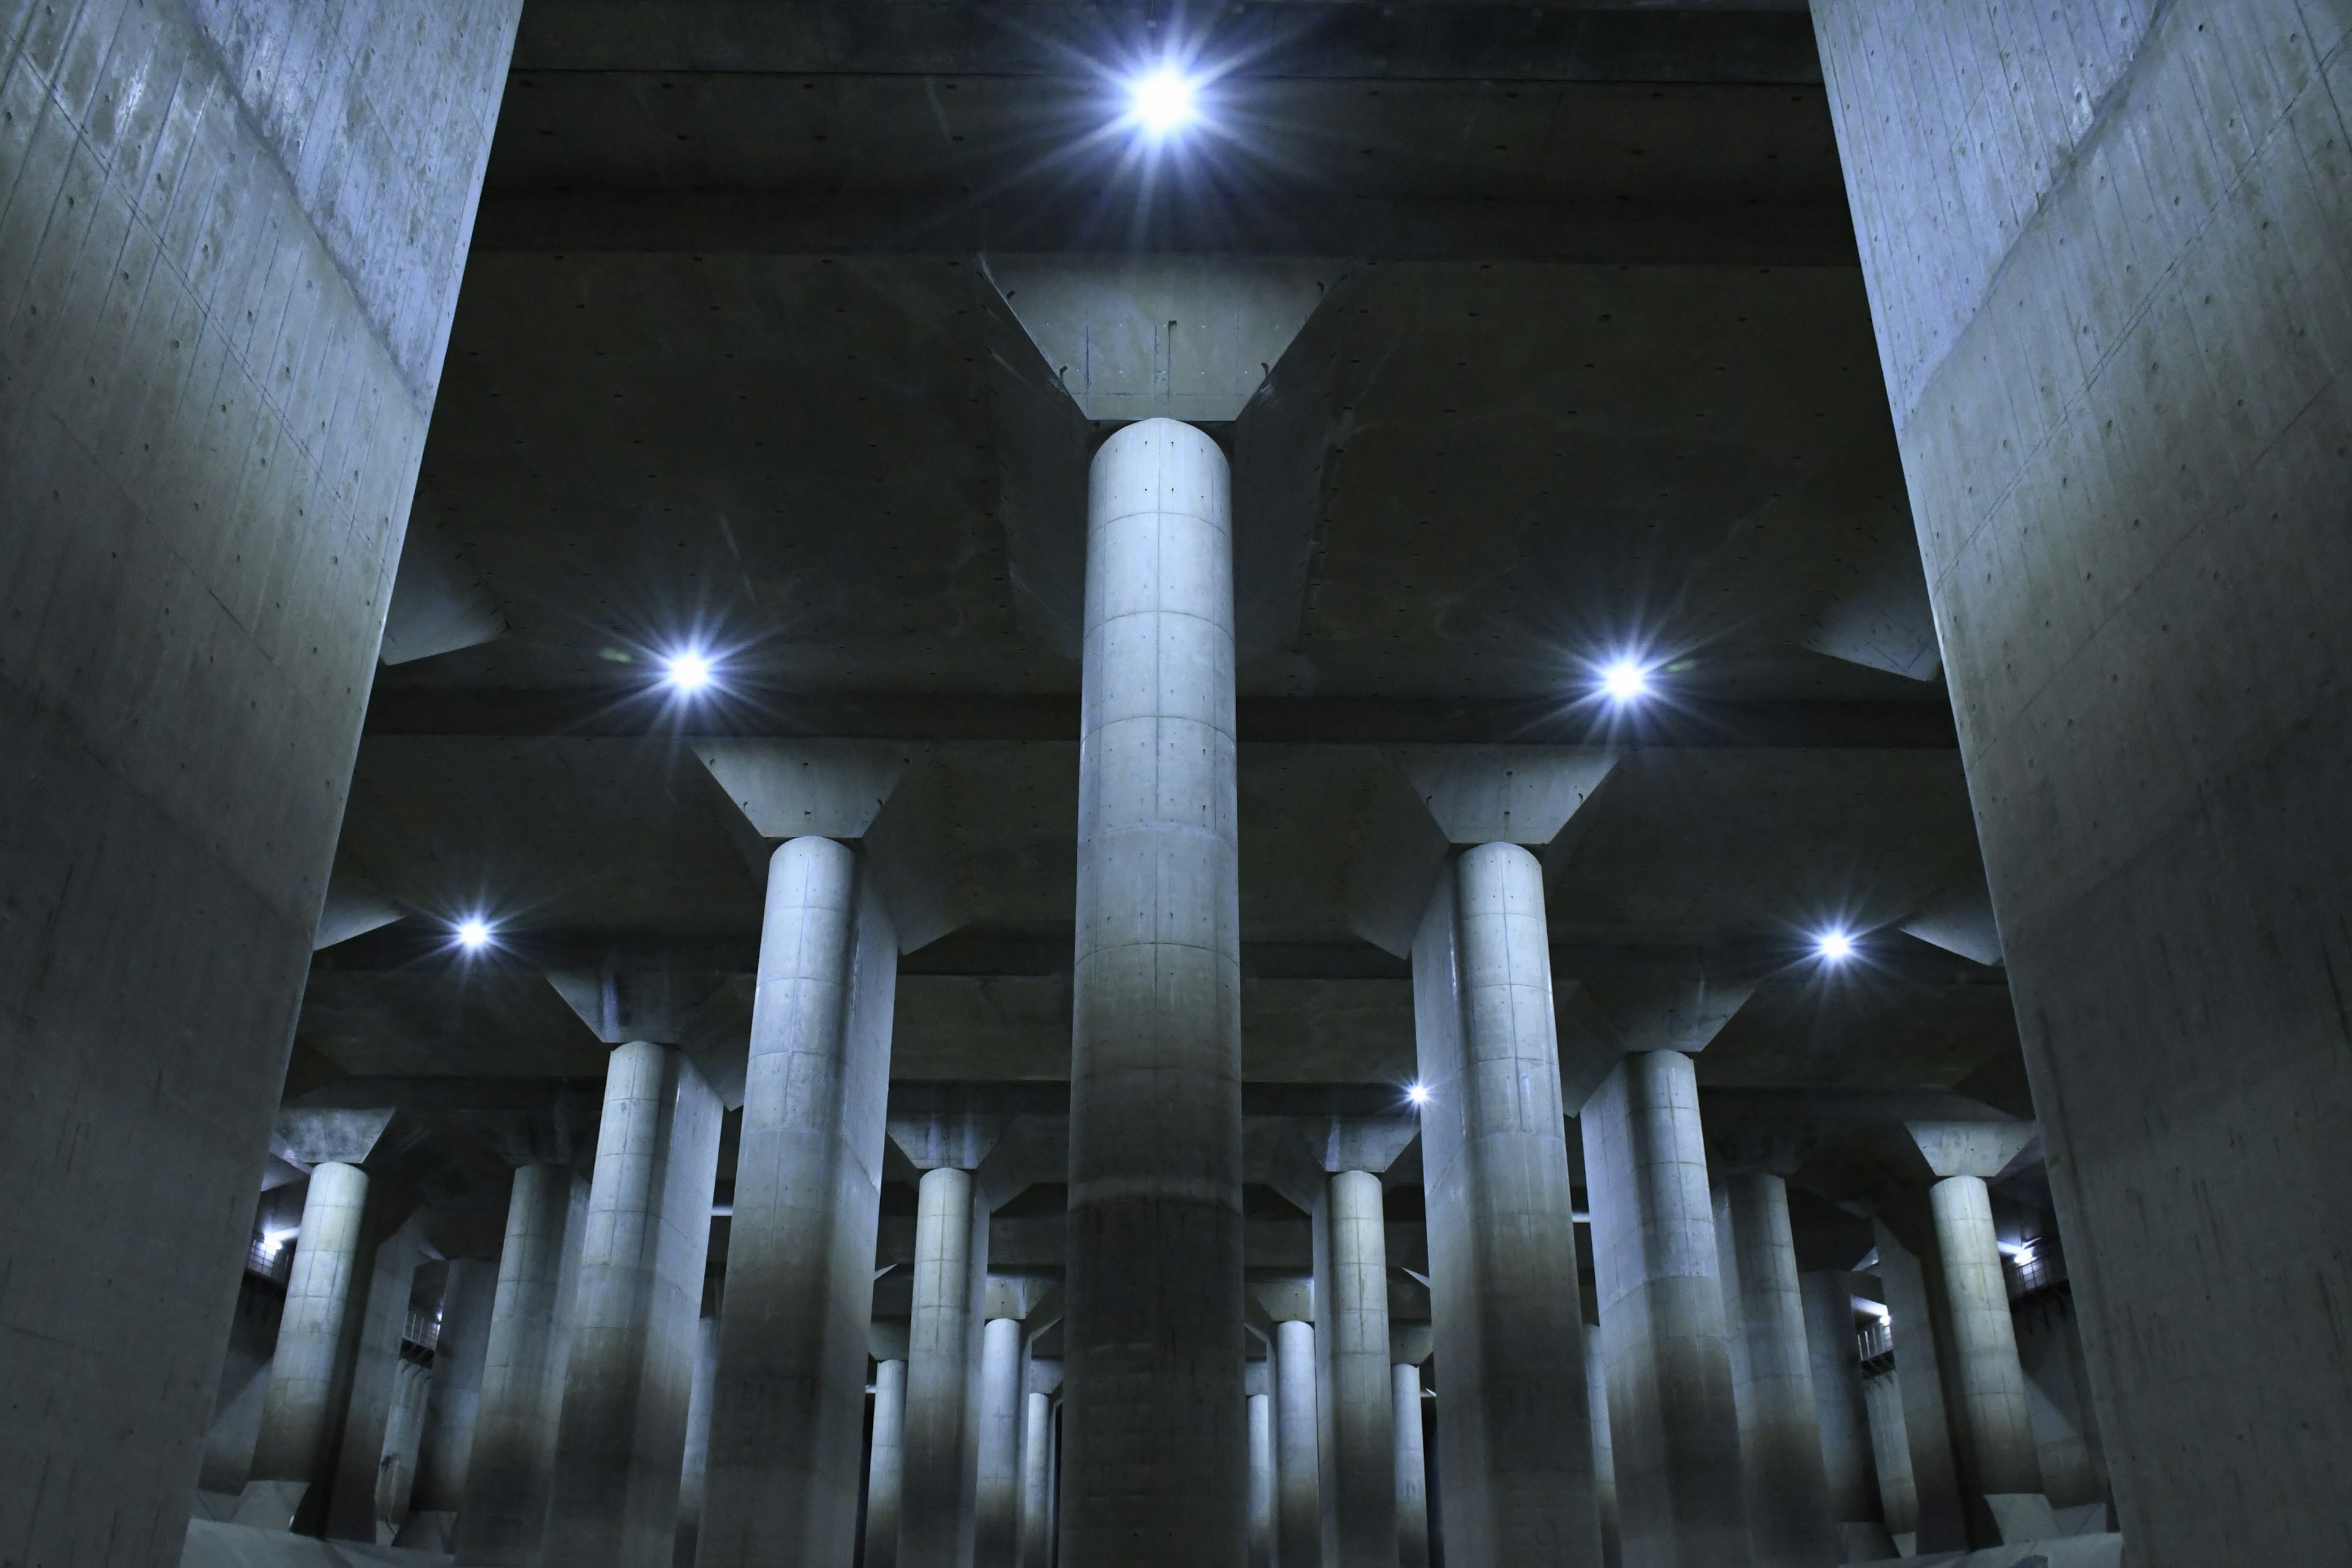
(1674, 1429)
(621, 1440)
(1155, 1457)
(2117, 393)
(353, 1504)
(1890, 1447)
(186, 638)
(1847, 1466)
(1930, 1468)
(459, 1355)
(1514, 1450)
(782, 1473)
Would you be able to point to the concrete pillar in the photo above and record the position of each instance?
(1938, 1520)
(1353, 1301)
(1604, 1461)
(354, 1501)
(1993, 1421)
(885, 1467)
(1412, 1467)
(404, 1443)
(1514, 1450)
(454, 1406)
(1847, 1465)
(996, 1495)
(1036, 1478)
(782, 1481)
(513, 1466)
(1787, 1486)
(694, 1471)
(1262, 1482)
(232, 240)
(1297, 1451)
(312, 1343)
(621, 1441)
(1673, 1428)
(1890, 1448)
(935, 1517)
(1155, 1472)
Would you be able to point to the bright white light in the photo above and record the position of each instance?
(1163, 100)
(1834, 946)
(273, 1240)
(473, 933)
(690, 670)
(1625, 682)
(1417, 1092)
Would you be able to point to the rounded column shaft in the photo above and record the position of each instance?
(935, 1511)
(996, 1508)
(1789, 1520)
(781, 1479)
(1604, 1462)
(1994, 1420)
(886, 1465)
(1036, 1476)
(1261, 1481)
(513, 1459)
(1847, 1466)
(1155, 1464)
(1363, 1396)
(1412, 1467)
(296, 1415)
(454, 1402)
(1298, 1453)
(1514, 1451)
(1673, 1428)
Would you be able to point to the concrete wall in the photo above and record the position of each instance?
(230, 238)
(2107, 252)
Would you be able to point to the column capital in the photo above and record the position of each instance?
(1980, 1149)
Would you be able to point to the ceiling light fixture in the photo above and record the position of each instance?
(689, 672)
(1626, 680)
(1163, 102)
(1418, 1093)
(473, 933)
(1834, 946)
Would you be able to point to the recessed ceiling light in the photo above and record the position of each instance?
(473, 934)
(1626, 680)
(1834, 946)
(1164, 101)
(1418, 1093)
(689, 672)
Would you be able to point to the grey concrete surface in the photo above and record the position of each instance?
(356, 1502)
(886, 1465)
(2111, 344)
(1906, 1269)
(1353, 1329)
(310, 1359)
(1789, 1520)
(1297, 1443)
(1604, 1461)
(460, 1354)
(1155, 1467)
(1412, 1467)
(224, 294)
(512, 1469)
(620, 1438)
(996, 1491)
(1032, 1547)
(1514, 1450)
(783, 1471)
(939, 1468)
(1994, 1423)
(1848, 1467)
(1673, 1426)
(694, 1468)
(1263, 1483)
(1890, 1446)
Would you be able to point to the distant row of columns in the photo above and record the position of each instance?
(1701, 1443)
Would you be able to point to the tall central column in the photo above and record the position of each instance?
(935, 1517)
(781, 1477)
(1355, 1310)
(1297, 1447)
(886, 1465)
(300, 1407)
(1156, 1459)
(1674, 1429)
(513, 1459)
(1789, 1520)
(996, 1494)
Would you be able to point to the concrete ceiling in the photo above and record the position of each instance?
(1590, 367)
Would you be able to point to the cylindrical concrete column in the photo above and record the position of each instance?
(1673, 1426)
(453, 1403)
(1355, 1309)
(1604, 1462)
(782, 1481)
(1847, 1466)
(935, 1517)
(513, 1459)
(1995, 1422)
(1890, 1447)
(1261, 1480)
(1036, 1478)
(996, 1495)
(297, 1415)
(1789, 1520)
(1156, 1463)
(694, 1471)
(886, 1465)
(1412, 1467)
(1514, 1450)
(1297, 1452)
(620, 1447)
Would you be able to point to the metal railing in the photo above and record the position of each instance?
(1876, 1341)
(271, 1260)
(2036, 1265)
(423, 1329)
